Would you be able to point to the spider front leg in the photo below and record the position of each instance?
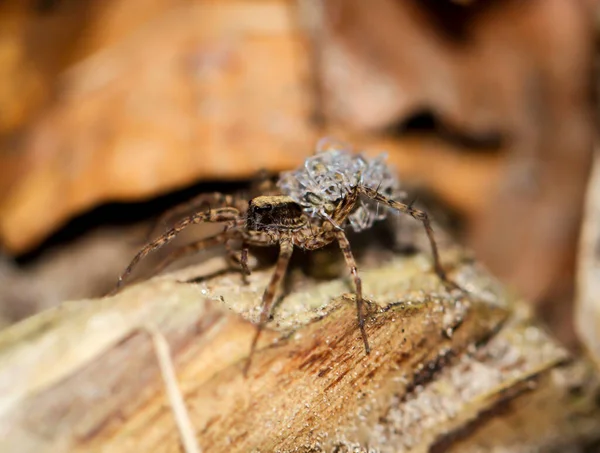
(424, 219)
(239, 258)
(198, 203)
(285, 253)
(190, 249)
(216, 215)
(351, 262)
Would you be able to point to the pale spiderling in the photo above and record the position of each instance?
(310, 208)
(333, 173)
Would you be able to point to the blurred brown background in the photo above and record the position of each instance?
(113, 110)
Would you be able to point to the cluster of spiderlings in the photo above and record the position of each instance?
(334, 172)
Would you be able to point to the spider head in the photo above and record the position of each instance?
(274, 213)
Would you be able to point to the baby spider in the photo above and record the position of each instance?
(333, 189)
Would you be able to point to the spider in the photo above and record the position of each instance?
(333, 189)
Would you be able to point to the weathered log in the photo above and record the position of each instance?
(84, 376)
(587, 310)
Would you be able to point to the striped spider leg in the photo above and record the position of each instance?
(201, 202)
(282, 221)
(268, 299)
(335, 173)
(261, 184)
(229, 215)
(194, 247)
(419, 215)
(309, 237)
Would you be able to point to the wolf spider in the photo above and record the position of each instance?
(302, 219)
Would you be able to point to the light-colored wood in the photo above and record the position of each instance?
(587, 311)
(84, 377)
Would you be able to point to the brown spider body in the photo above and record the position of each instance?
(269, 220)
(274, 213)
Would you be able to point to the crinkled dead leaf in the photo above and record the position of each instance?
(206, 91)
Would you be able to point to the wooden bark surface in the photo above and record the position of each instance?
(587, 315)
(84, 376)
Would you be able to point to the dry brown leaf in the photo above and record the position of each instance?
(216, 90)
(208, 90)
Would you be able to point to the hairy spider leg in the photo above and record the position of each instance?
(235, 258)
(244, 259)
(215, 215)
(416, 214)
(204, 200)
(285, 253)
(190, 249)
(351, 262)
(238, 257)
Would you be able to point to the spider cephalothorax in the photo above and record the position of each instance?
(274, 212)
(333, 189)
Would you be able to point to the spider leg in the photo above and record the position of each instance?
(215, 215)
(204, 200)
(239, 258)
(244, 259)
(416, 214)
(285, 252)
(190, 249)
(351, 262)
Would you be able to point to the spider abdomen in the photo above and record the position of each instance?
(327, 179)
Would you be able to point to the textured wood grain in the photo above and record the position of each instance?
(84, 377)
(587, 314)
